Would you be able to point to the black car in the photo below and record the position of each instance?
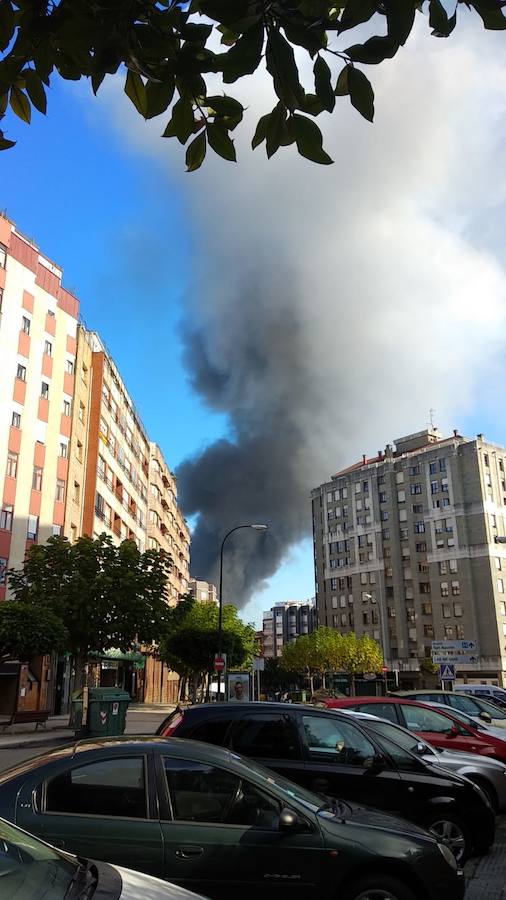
(219, 825)
(328, 752)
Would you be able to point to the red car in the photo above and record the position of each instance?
(437, 727)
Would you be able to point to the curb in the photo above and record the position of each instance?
(38, 742)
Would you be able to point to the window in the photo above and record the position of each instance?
(384, 515)
(37, 478)
(266, 736)
(203, 793)
(21, 372)
(386, 534)
(60, 490)
(16, 420)
(69, 367)
(453, 566)
(416, 488)
(365, 487)
(401, 496)
(383, 710)
(498, 564)
(12, 464)
(25, 325)
(358, 487)
(444, 485)
(456, 588)
(44, 390)
(446, 501)
(419, 527)
(417, 508)
(500, 585)
(414, 470)
(66, 407)
(448, 630)
(433, 468)
(77, 492)
(64, 450)
(502, 608)
(424, 720)
(486, 459)
(426, 609)
(382, 497)
(442, 465)
(81, 412)
(342, 741)
(399, 477)
(447, 613)
(444, 589)
(421, 547)
(443, 568)
(333, 584)
(434, 487)
(50, 312)
(459, 630)
(6, 517)
(428, 631)
(32, 528)
(48, 348)
(457, 610)
(56, 530)
(79, 451)
(3, 569)
(112, 787)
(3, 256)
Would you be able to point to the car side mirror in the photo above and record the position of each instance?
(485, 717)
(374, 764)
(288, 820)
(453, 732)
(421, 749)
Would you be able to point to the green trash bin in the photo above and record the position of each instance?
(107, 709)
(76, 712)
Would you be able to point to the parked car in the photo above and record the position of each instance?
(480, 709)
(471, 721)
(329, 753)
(489, 774)
(211, 821)
(33, 870)
(439, 726)
(489, 692)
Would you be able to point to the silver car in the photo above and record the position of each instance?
(489, 774)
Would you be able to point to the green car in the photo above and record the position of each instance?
(221, 825)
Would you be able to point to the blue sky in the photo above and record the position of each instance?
(94, 205)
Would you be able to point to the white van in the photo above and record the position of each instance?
(487, 691)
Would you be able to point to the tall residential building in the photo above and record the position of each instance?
(38, 325)
(285, 622)
(203, 591)
(167, 529)
(410, 547)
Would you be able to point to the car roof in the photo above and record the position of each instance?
(424, 691)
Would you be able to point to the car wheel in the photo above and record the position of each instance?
(449, 830)
(378, 887)
(489, 792)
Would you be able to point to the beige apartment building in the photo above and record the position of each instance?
(410, 547)
(167, 529)
(203, 591)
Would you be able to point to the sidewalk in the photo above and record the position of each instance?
(141, 719)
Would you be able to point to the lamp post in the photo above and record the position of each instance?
(220, 599)
(383, 632)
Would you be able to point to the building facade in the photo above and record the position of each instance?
(203, 591)
(167, 528)
(409, 548)
(284, 623)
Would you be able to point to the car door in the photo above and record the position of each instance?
(222, 837)
(342, 762)
(100, 809)
(272, 738)
(437, 729)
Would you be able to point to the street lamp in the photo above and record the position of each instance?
(220, 599)
(383, 636)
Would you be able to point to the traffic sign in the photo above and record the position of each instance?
(384, 668)
(444, 659)
(219, 664)
(446, 673)
(462, 646)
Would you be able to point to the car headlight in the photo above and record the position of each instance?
(448, 855)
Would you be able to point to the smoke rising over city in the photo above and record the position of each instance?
(330, 308)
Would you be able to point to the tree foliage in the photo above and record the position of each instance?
(107, 595)
(189, 643)
(326, 650)
(171, 54)
(27, 630)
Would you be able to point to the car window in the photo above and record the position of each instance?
(419, 719)
(269, 736)
(202, 793)
(404, 739)
(112, 787)
(466, 704)
(429, 698)
(402, 756)
(384, 710)
(331, 737)
(212, 731)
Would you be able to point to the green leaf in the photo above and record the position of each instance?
(136, 91)
(224, 106)
(4, 102)
(438, 19)
(355, 12)
(342, 83)
(275, 129)
(182, 123)
(229, 37)
(5, 144)
(373, 51)
(96, 80)
(491, 13)
(20, 104)
(260, 132)
(220, 141)
(244, 57)
(159, 96)
(309, 140)
(280, 61)
(323, 84)
(400, 19)
(312, 105)
(361, 93)
(196, 152)
(35, 90)
(7, 24)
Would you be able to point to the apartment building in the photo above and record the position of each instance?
(167, 529)
(285, 622)
(410, 547)
(38, 325)
(202, 591)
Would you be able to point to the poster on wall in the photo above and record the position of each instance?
(238, 686)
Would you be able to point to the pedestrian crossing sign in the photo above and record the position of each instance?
(447, 672)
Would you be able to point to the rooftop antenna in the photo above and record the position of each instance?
(431, 418)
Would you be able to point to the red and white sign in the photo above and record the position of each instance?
(384, 668)
(219, 664)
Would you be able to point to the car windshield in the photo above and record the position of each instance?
(399, 736)
(30, 869)
(494, 711)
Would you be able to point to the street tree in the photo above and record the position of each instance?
(27, 630)
(180, 59)
(189, 642)
(359, 656)
(107, 595)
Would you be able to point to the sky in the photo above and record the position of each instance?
(275, 320)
